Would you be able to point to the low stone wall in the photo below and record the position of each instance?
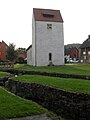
(73, 106)
(3, 80)
(21, 72)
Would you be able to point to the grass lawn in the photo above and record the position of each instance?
(4, 74)
(80, 69)
(13, 106)
(67, 84)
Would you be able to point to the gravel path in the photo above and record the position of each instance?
(36, 117)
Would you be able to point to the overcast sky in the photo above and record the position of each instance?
(16, 19)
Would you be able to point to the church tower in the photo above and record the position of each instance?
(47, 38)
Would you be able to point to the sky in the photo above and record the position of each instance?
(16, 20)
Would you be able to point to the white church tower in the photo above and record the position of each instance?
(47, 38)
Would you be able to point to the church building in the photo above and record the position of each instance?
(47, 38)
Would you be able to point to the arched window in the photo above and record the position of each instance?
(50, 56)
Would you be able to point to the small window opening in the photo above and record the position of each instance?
(49, 26)
(74, 55)
(48, 15)
(50, 56)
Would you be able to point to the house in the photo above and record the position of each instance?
(47, 38)
(72, 53)
(29, 55)
(3, 47)
(85, 50)
(22, 53)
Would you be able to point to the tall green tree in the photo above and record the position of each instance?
(11, 53)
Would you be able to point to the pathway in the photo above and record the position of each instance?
(36, 117)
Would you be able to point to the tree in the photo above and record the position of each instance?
(21, 50)
(22, 54)
(11, 53)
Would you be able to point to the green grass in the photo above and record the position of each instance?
(79, 69)
(4, 74)
(13, 106)
(67, 84)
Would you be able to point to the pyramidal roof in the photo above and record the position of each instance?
(47, 15)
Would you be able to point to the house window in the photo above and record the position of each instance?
(84, 57)
(84, 53)
(88, 52)
(49, 26)
(50, 56)
(74, 55)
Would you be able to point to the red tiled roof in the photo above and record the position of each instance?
(47, 15)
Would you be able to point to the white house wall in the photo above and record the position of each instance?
(31, 52)
(29, 56)
(49, 41)
(33, 42)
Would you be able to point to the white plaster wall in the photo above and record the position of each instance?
(33, 42)
(49, 41)
(29, 57)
